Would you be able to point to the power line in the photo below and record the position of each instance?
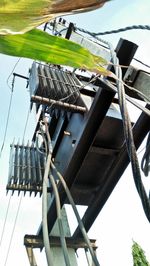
(7, 121)
(14, 227)
(18, 209)
(4, 225)
(12, 72)
(139, 61)
(10, 103)
(127, 129)
(133, 27)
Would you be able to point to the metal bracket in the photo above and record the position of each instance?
(139, 79)
(34, 241)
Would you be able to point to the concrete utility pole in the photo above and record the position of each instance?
(57, 251)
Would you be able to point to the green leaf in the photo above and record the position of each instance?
(139, 258)
(39, 45)
(19, 16)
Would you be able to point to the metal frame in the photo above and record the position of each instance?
(99, 108)
(140, 130)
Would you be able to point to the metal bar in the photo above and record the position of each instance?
(74, 91)
(31, 256)
(43, 82)
(26, 188)
(58, 104)
(11, 164)
(51, 89)
(70, 92)
(28, 160)
(62, 85)
(39, 168)
(56, 84)
(21, 164)
(69, 30)
(35, 241)
(16, 167)
(20, 76)
(91, 125)
(33, 166)
(140, 130)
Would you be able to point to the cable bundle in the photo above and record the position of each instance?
(145, 163)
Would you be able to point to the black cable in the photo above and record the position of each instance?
(139, 61)
(127, 130)
(133, 27)
(145, 163)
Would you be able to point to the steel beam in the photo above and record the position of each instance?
(34, 241)
(140, 130)
(91, 124)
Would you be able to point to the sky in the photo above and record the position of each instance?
(122, 218)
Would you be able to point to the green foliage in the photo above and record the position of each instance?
(19, 16)
(39, 45)
(139, 258)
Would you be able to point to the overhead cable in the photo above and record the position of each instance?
(133, 27)
(145, 163)
(82, 228)
(7, 121)
(10, 103)
(13, 230)
(139, 61)
(12, 72)
(128, 130)
(18, 209)
(4, 225)
(58, 206)
(44, 211)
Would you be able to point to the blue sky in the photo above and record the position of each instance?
(122, 219)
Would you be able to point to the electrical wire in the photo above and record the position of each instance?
(7, 121)
(58, 206)
(4, 138)
(44, 212)
(59, 220)
(10, 103)
(4, 225)
(44, 209)
(133, 27)
(145, 163)
(128, 131)
(94, 258)
(14, 227)
(12, 72)
(18, 209)
(139, 61)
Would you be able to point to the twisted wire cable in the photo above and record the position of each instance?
(127, 129)
(58, 207)
(129, 136)
(133, 27)
(44, 209)
(81, 225)
(145, 163)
